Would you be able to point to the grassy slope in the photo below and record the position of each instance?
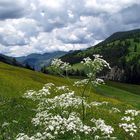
(15, 81)
(119, 94)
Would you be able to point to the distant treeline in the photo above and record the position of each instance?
(71, 72)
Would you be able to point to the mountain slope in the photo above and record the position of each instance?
(39, 60)
(121, 50)
(123, 35)
(9, 60)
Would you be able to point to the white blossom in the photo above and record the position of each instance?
(132, 112)
(115, 110)
(59, 64)
(57, 115)
(81, 83)
(105, 129)
(5, 124)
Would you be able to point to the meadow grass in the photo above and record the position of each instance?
(14, 82)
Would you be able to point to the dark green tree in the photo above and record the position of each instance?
(43, 69)
(135, 48)
(28, 66)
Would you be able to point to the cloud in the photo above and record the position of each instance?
(11, 37)
(13, 9)
(15, 32)
(131, 15)
(39, 26)
(72, 35)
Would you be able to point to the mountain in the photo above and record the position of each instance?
(39, 60)
(123, 35)
(121, 50)
(9, 60)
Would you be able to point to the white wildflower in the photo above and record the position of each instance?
(59, 64)
(81, 83)
(105, 129)
(132, 112)
(95, 103)
(128, 118)
(5, 124)
(115, 110)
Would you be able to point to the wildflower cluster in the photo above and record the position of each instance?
(95, 66)
(39, 95)
(92, 67)
(129, 125)
(59, 116)
(59, 66)
(62, 114)
(105, 129)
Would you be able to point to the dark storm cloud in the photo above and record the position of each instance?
(131, 15)
(12, 9)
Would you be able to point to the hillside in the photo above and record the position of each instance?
(15, 81)
(37, 61)
(123, 35)
(9, 60)
(121, 50)
(15, 110)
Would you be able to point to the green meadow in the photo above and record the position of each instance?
(14, 109)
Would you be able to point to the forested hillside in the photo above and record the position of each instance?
(121, 50)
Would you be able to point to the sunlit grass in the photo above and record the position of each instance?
(15, 81)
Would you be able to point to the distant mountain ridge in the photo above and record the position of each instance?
(39, 60)
(122, 35)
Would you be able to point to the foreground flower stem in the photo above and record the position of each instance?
(93, 67)
(83, 94)
(65, 76)
(68, 79)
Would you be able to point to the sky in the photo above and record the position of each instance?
(39, 26)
